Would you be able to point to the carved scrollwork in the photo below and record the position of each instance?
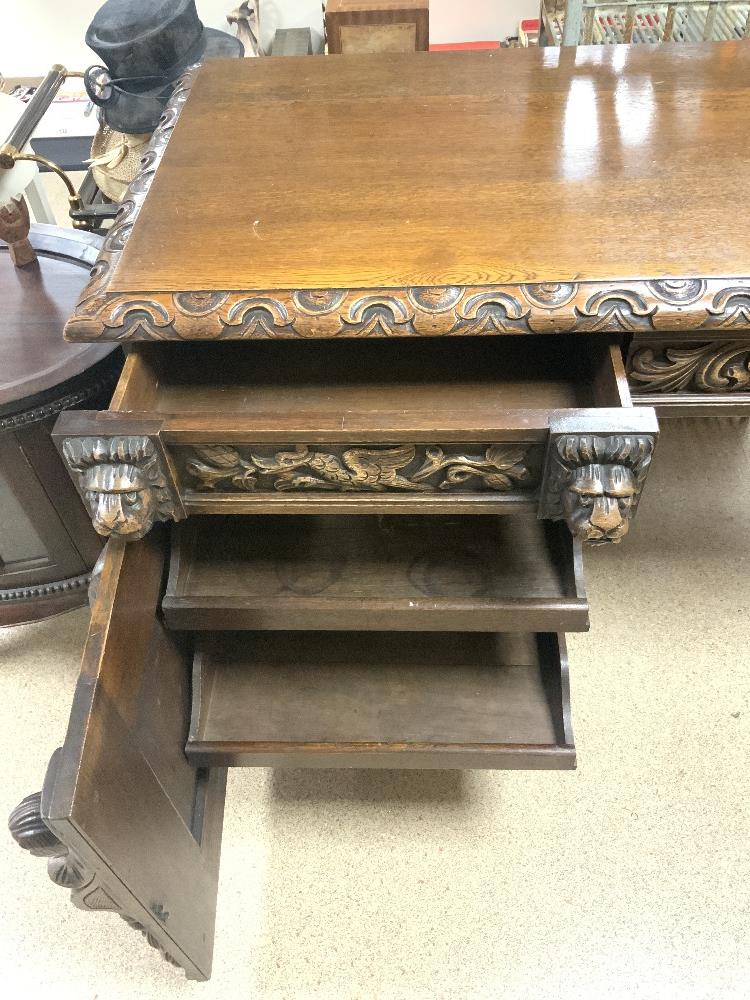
(594, 482)
(402, 468)
(717, 367)
(67, 870)
(94, 300)
(123, 483)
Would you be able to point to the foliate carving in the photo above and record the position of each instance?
(402, 468)
(594, 483)
(122, 482)
(66, 869)
(718, 367)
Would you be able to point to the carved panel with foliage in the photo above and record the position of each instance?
(499, 468)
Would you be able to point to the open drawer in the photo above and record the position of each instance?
(385, 699)
(463, 424)
(440, 573)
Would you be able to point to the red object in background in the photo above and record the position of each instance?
(463, 46)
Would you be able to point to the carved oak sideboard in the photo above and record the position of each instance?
(371, 410)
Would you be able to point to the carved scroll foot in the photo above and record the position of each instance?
(594, 482)
(124, 483)
(30, 832)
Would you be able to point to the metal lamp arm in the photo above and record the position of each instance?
(11, 150)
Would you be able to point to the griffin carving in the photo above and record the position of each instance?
(404, 467)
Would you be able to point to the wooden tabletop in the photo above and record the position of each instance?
(452, 169)
(35, 301)
(526, 190)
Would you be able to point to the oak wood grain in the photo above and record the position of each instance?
(432, 168)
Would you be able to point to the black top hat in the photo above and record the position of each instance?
(146, 45)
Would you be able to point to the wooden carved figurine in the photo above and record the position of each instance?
(14, 229)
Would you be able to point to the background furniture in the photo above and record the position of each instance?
(604, 22)
(359, 26)
(47, 546)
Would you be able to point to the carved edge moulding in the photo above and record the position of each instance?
(87, 891)
(593, 480)
(671, 304)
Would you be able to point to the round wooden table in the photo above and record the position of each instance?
(47, 544)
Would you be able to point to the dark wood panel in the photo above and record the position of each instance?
(30, 514)
(142, 823)
(381, 700)
(430, 168)
(437, 573)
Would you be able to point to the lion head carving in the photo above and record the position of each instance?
(122, 483)
(595, 483)
(598, 502)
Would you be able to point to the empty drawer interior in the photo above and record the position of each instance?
(469, 379)
(428, 572)
(387, 699)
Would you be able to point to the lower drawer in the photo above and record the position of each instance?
(392, 700)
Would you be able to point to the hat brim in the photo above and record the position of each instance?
(220, 45)
(142, 113)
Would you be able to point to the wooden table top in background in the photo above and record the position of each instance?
(596, 163)
(35, 301)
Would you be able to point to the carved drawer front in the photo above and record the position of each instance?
(125, 821)
(382, 699)
(528, 423)
(694, 375)
(411, 573)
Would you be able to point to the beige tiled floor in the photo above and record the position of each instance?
(627, 878)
